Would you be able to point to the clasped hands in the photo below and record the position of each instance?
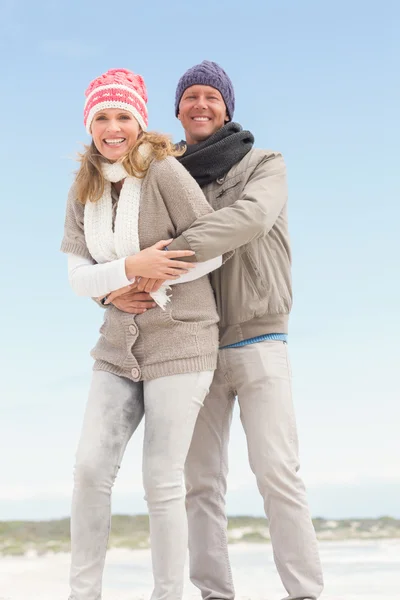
(135, 298)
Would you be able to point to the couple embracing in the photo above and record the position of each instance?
(187, 249)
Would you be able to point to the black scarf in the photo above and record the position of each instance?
(211, 159)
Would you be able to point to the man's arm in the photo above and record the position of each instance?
(251, 216)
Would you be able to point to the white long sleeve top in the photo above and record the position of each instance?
(97, 280)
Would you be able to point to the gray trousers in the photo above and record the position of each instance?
(259, 375)
(114, 410)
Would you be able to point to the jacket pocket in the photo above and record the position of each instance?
(252, 283)
(168, 338)
(227, 189)
(255, 273)
(237, 292)
(280, 300)
(183, 326)
(226, 193)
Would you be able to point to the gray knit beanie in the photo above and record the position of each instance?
(207, 73)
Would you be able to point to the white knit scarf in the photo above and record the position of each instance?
(106, 244)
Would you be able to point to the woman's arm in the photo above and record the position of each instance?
(151, 262)
(98, 280)
(152, 285)
(73, 241)
(89, 279)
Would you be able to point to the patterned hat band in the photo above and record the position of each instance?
(107, 94)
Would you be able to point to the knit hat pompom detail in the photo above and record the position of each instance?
(207, 73)
(117, 88)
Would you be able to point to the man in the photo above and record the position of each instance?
(247, 189)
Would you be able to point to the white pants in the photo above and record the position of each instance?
(259, 375)
(114, 410)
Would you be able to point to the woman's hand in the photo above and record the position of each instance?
(145, 284)
(156, 263)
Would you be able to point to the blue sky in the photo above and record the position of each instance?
(316, 80)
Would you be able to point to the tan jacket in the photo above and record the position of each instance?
(184, 337)
(253, 288)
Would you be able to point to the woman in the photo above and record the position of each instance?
(130, 193)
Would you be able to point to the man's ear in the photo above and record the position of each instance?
(178, 116)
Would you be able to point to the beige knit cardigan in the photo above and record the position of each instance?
(183, 338)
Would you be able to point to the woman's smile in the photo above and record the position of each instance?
(114, 132)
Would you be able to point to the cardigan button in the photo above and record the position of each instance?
(133, 329)
(221, 180)
(135, 374)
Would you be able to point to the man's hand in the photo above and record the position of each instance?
(134, 302)
(120, 292)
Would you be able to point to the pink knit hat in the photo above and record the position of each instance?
(118, 88)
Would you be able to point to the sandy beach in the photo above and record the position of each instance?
(354, 570)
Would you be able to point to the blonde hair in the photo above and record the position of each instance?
(89, 179)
